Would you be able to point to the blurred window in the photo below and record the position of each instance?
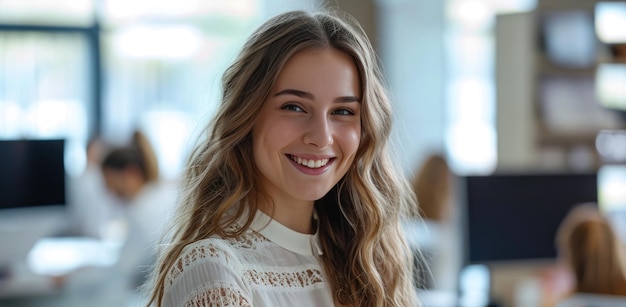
(470, 93)
(47, 12)
(610, 21)
(72, 68)
(163, 62)
(45, 88)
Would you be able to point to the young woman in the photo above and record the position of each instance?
(293, 200)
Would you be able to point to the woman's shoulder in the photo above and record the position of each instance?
(217, 255)
(213, 247)
(218, 250)
(214, 250)
(207, 269)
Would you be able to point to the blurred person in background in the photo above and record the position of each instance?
(131, 173)
(93, 208)
(593, 258)
(128, 170)
(432, 229)
(432, 184)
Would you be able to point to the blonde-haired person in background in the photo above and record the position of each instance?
(594, 256)
(293, 200)
(434, 231)
(433, 184)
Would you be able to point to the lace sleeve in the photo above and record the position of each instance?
(207, 273)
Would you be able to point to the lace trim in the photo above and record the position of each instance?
(248, 240)
(217, 294)
(300, 279)
(206, 250)
(191, 256)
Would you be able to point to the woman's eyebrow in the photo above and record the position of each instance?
(348, 99)
(299, 93)
(307, 95)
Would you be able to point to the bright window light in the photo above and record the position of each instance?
(471, 98)
(57, 118)
(136, 9)
(71, 12)
(611, 183)
(472, 147)
(513, 6)
(61, 256)
(11, 119)
(611, 145)
(475, 15)
(611, 85)
(611, 21)
(164, 42)
(471, 136)
(169, 132)
(474, 283)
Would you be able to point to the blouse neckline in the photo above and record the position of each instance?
(300, 243)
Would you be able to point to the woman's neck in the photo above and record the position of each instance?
(296, 215)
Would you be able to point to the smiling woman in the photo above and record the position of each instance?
(292, 199)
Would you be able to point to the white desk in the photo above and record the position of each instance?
(89, 277)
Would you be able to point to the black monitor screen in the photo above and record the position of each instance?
(515, 217)
(32, 173)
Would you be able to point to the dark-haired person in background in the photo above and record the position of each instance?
(132, 174)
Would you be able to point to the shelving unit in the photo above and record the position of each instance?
(547, 105)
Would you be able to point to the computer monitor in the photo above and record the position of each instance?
(32, 173)
(32, 194)
(514, 217)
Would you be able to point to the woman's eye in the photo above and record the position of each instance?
(343, 112)
(292, 107)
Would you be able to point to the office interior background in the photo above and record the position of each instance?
(496, 86)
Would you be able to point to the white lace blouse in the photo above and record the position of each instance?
(269, 265)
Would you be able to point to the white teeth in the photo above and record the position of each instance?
(310, 163)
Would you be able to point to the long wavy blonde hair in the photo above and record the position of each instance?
(365, 254)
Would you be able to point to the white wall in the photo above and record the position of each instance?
(410, 36)
(514, 90)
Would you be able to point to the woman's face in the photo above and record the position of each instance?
(308, 130)
(125, 183)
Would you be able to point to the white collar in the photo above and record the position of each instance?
(287, 238)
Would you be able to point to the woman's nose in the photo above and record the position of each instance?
(318, 132)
